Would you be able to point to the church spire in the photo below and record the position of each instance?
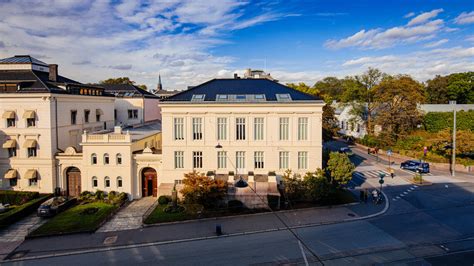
(159, 87)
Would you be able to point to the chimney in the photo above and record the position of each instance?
(236, 76)
(53, 72)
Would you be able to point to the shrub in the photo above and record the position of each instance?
(86, 195)
(22, 211)
(17, 197)
(122, 197)
(273, 201)
(340, 168)
(203, 190)
(317, 186)
(438, 121)
(112, 195)
(294, 186)
(164, 199)
(99, 195)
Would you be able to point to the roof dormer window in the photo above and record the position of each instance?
(198, 97)
(283, 97)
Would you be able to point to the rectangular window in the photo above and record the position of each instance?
(197, 159)
(32, 152)
(33, 182)
(302, 160)
(30, 122)
(11, 152)
(240, 159)
(135, 114)
(221, 128)
(303, 128)
(258, 128)
(258, 160)
(13, 182)
(178, 128)
(284, 160)
(132, 113)
(10, 122)
(73, 117)
(179, 159)
(240, 128)
(221, 159)
(197, 128)
(284, 128)
(86, 115)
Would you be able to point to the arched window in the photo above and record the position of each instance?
(94, 158)
(107, 181)
(119, 181)
(106, 158)
(94, 181)
(119, 158)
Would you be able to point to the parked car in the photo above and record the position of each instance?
(415, 166)
(346, 150)
(54, 206)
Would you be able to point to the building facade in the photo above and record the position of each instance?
(232, 128)
(43, 113)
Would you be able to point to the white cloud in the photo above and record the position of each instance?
(409, 15)
(422, 65)
(95, 40)
(423, 17)
(419, 28)
(465, 18)
(436, 43)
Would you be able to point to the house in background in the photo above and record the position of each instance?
(161, 93)
(133, 105)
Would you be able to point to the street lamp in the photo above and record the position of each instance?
(453, 170)
(242, 184)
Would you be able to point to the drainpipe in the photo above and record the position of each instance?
(57, 140)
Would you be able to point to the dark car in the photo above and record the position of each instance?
(54, 206)
(346, 150)
(416, 166)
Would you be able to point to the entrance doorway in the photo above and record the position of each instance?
(73, 182)
(149, 182)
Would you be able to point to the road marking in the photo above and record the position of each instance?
(401, 195)
(397, 197)
(405, 193)
(302, 252)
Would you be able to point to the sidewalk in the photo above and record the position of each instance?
(129, 217)
(197, 229)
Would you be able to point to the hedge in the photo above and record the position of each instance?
(437, 121)
(17, 213)
(17, 197)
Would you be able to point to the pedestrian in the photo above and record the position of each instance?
(375, 195)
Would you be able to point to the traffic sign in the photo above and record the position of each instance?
(381, 175)
(389, 152)
(381, 182)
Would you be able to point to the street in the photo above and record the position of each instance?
(424, 225)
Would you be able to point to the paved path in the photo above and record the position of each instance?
(14, 235)
(129, 217)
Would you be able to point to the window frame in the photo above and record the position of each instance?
(197, 129)
(107, 182)
(73, 117)
(222, 128)
(259, 160)
(240, 128)
(197, 160)
(94, 159)
(303, 125)
(178, 128)
(284, 128)
(222, 160)
(95, 182)
(258, 128)
(284, 160)
(106, 159)
(178, 159)
(119, 182)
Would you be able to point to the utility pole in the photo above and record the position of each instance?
(453, 167)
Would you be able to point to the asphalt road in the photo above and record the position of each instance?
(424, 225)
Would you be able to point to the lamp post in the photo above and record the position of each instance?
(453, 163)
(242, 184)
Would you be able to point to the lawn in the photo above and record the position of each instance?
(78, 219)
(158, 215)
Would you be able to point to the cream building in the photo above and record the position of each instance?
(42, 113)
(232, 128)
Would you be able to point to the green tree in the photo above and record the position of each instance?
(330, 124)
(397, 100)
(317, 186)
(437, 90)
(329, 87)
(461, 87)
(340, 168)
(122, 80)
(201, 189)
(294, 186)
(304, 88)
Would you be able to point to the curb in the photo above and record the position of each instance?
(387, 205)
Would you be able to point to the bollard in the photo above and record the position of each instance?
(218, 229)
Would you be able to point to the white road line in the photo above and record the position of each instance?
(397, 197)
(405, 193)
(302, 252)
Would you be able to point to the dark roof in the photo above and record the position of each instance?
(22, 59)
(241, 87)
(126, 90)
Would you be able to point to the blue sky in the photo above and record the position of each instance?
(189, 42)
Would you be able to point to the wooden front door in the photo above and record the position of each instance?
(149, 183)
(73, 182)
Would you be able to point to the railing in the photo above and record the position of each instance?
(91, 138)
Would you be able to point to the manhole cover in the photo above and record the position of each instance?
(110, 240)
(351, 214)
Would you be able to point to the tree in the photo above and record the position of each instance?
(396, 100)
(317, 185)
(437, 90)
(329, 87)
(294, 186)
(304, 88)
(200, 189)
(330, 124)
(340, 168)
(122, 80)
(368, 80)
